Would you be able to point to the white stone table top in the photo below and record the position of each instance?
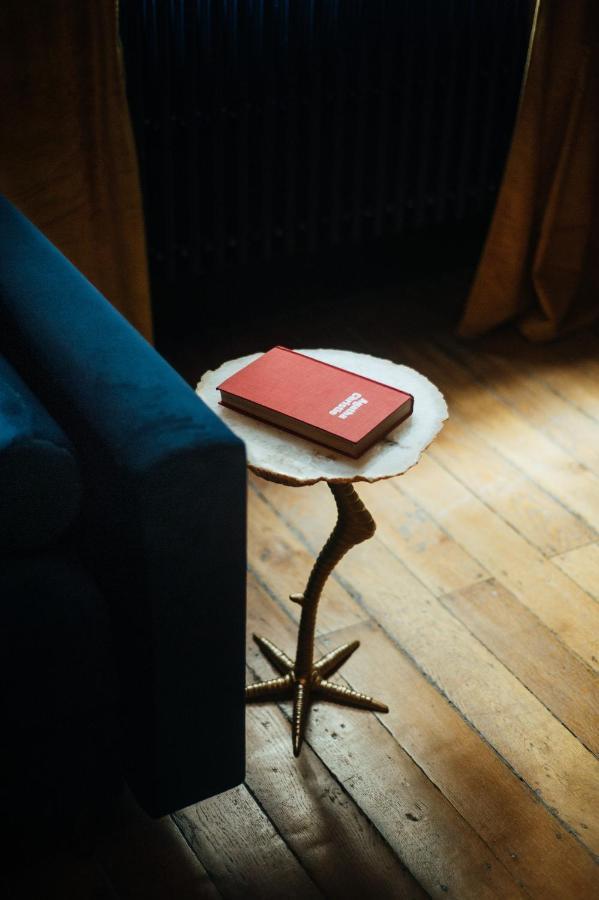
(279, 456)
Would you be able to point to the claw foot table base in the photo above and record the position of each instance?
(304, 691)
(305, 681)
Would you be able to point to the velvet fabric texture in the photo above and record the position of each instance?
(540, 264)
(162, 525)
(40, 489)
(67, 156)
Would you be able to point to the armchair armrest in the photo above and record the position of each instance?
(163, 518)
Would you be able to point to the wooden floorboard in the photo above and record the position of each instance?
(513, 436)
(558, 419)
(487, 694)
(582, 565)
(240, 847)
(553, 596)
(333, 839)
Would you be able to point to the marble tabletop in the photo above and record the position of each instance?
(285, 458)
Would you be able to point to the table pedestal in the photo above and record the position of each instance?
(304, 680)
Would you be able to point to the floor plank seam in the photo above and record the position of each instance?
(449, 609)
(533, 374)
(483, 575)
(209, 873)
(495, 512)
(566, 647)
(343, 789)
(487, 385)
(496, 449)
(414, 499)
(436, 787)
(508, 462)
(262, 809)
(533, 792)
(530, 369)
(593, 543)
(454, 415)
(471, 725)
(439, 525)
(356, 596)
(590, 543)
(544, 559)
(451, 803)
(333, 632)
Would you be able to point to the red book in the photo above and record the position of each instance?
(340, 409)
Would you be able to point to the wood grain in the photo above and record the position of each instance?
(503, 487)
(402, 525)
(531, 577)
(534, 400)
(556, 765)
(569, 367)
(391, 790)
(543, 461)
(582, 566)
(241, 849)
(535, 655)
(334, 841)
(539, 851)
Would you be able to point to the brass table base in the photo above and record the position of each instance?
(303, 680)
(304, 691)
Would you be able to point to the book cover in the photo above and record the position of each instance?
(341, 409)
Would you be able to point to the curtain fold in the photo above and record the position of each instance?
(540, 263)
(67, 156)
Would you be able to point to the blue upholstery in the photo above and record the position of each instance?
(55, 622)
(162, 524)
(39, 476)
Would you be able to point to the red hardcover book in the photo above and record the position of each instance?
(340, 409)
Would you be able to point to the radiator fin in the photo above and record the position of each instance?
(268, 128)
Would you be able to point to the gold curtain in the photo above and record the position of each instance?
(540, 264)
(67, 157)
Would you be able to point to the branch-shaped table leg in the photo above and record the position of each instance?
(304, 680)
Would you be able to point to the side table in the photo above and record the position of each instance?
(282, 457)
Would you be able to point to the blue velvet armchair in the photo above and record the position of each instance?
(122, 555)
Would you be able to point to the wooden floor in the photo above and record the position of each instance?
(477, 606)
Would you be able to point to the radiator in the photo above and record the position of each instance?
(268, 128)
